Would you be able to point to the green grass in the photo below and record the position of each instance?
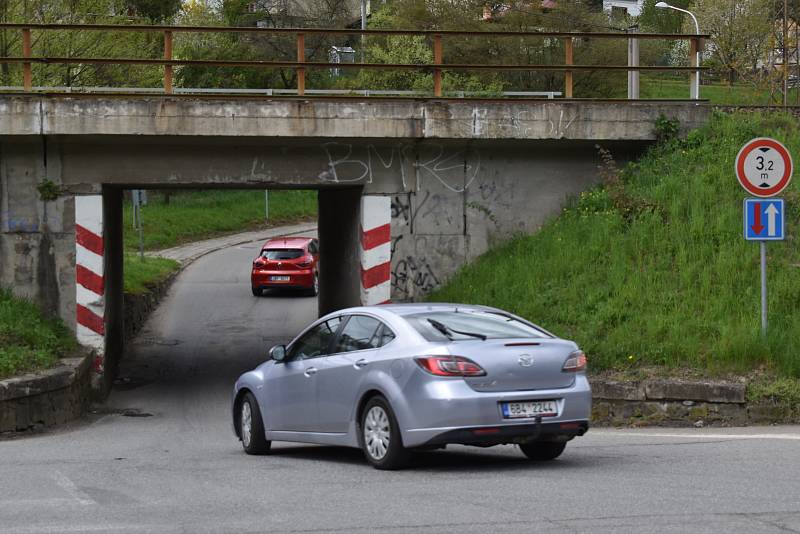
(196, 215)
(140, 274)
(28, 341)
(722, 94)
(676, 286)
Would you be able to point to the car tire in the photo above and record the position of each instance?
(251, 427)
(314, 290)
(542, 451)
(379, 435)
(257, 292)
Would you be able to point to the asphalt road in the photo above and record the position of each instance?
(160, 455)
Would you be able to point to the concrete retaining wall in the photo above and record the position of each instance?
(675, 403)
(48, 398)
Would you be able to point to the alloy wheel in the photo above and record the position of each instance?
(247, 424)
(377, 432)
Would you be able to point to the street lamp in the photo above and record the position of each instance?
(696, 87)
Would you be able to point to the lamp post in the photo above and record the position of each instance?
(695, 90)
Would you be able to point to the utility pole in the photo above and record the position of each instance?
(784, 44)
(363, 27)
(633, 61)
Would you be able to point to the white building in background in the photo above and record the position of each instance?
(632, 8)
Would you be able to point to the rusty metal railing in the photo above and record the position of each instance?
(300, 65)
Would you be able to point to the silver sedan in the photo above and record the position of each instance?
(389, 379)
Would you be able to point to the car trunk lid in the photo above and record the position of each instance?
(518, 364)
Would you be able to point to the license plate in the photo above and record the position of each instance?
(279, 278)
(517, 410)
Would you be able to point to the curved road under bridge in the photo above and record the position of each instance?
(160, 456)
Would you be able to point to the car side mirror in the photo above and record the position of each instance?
(278, 353)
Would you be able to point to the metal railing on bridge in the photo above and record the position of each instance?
(435, 39)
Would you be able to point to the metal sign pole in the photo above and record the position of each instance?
(141, 235)
(763, 288)
(137, 219)
(266, 204)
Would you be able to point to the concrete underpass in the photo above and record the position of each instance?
(409, 191)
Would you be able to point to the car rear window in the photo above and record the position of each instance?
(493, 325)
(281, 253)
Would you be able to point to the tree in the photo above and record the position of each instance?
(155, 10)
(260, 46)
(571, 15)
(740, 32)
(658, 20)
(70, 43)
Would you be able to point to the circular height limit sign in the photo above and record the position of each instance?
(764, 167)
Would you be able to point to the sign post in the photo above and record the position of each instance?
(764, 169)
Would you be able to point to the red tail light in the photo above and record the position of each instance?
(450, 366)
(576, 362)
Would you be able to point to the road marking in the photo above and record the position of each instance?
(46, 529)
(67, 485)
(791, 437)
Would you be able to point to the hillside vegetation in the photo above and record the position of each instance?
(29, 341)
(195, 215)
(655, 271)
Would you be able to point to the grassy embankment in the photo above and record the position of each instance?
(27, 340)
(742, 94)
(662, 277)
(196, 215)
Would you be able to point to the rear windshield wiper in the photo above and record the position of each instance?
(447, 331)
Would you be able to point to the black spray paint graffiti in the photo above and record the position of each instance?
(411, 276)
(401, 208)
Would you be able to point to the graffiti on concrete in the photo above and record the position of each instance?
(401, 208)
(11, 223)
(526, 122)
(395, 242)
(456, 170)
(412, 276)
(349, 164)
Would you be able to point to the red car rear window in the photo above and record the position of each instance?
(282, 253)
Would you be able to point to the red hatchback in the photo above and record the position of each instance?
(291, 262)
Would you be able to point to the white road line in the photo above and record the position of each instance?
(21, 503)
(791, 437)
(67, 485)
(57, 529)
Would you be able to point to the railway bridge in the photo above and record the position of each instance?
(410, 188)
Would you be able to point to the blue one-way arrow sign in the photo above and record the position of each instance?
(763, 219)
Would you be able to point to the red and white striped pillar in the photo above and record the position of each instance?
(90, 286)
(376, 250)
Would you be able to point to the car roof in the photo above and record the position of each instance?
(411, 308)
(287, 242)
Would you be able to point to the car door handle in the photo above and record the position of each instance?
(310, 371)
(361, 363)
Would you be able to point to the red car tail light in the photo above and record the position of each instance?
(576, 362)
(450, 366)
(306, 262)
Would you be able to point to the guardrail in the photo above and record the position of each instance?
(300, 65)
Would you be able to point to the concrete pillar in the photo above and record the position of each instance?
(90, 280)
(376, 249)
(114, 287)
(339, 219)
